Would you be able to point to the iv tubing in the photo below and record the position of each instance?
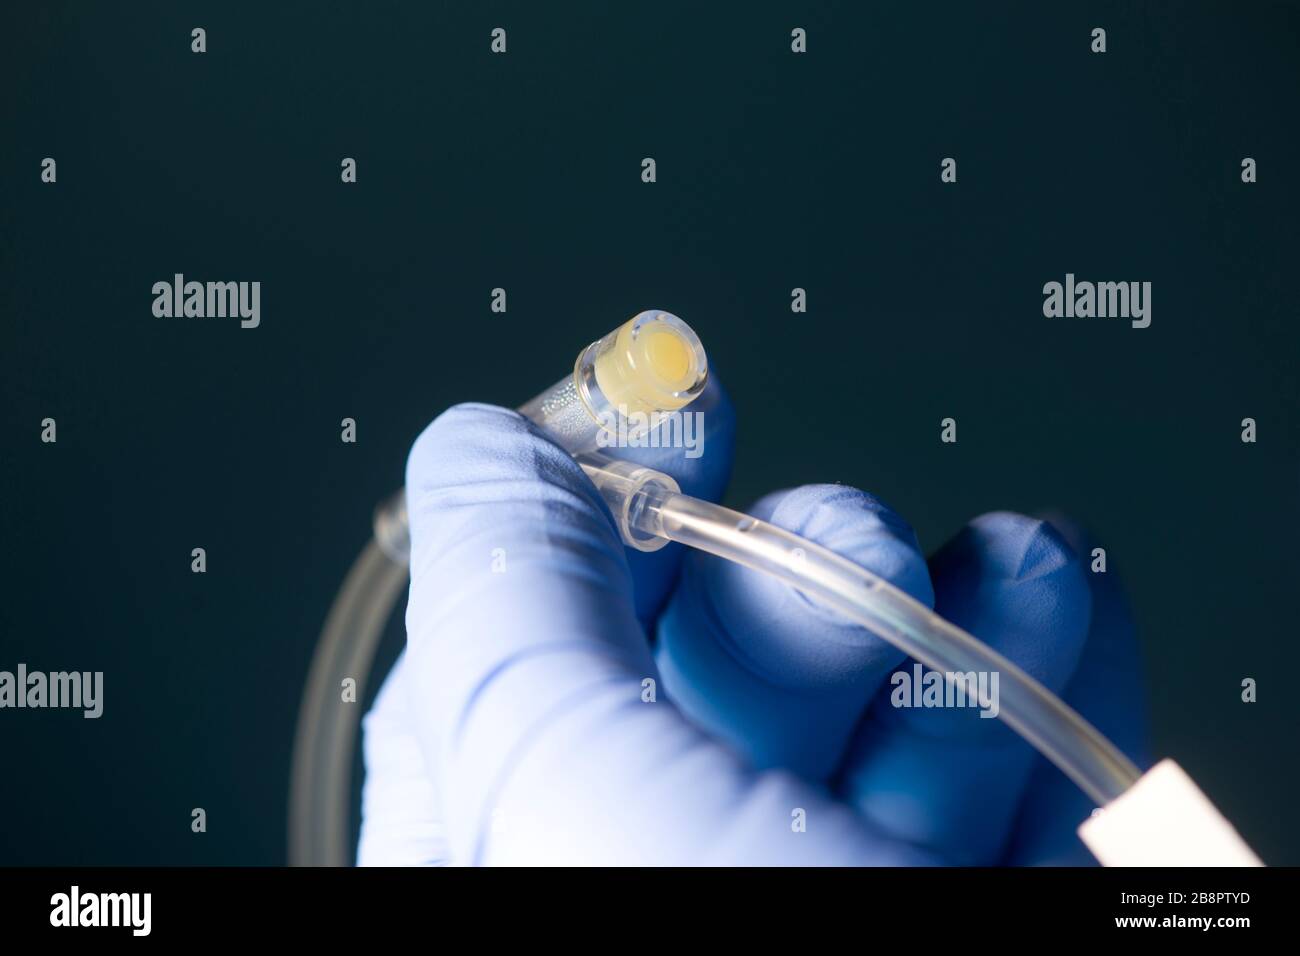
(320, 786)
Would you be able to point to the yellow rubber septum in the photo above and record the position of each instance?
(647, 370)
(667, 358)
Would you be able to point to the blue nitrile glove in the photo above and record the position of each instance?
(520, 727)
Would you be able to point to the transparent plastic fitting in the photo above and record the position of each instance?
(628, 381)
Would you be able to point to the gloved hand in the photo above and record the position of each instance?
(530, 721)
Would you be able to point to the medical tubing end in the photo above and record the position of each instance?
(622, 387)
(652, 364)
(624, 384)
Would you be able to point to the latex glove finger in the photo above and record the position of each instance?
(947, 778)
(783, 679)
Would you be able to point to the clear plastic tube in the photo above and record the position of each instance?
(1034, 712)
(320, 783)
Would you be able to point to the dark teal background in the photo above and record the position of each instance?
(523, 171)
